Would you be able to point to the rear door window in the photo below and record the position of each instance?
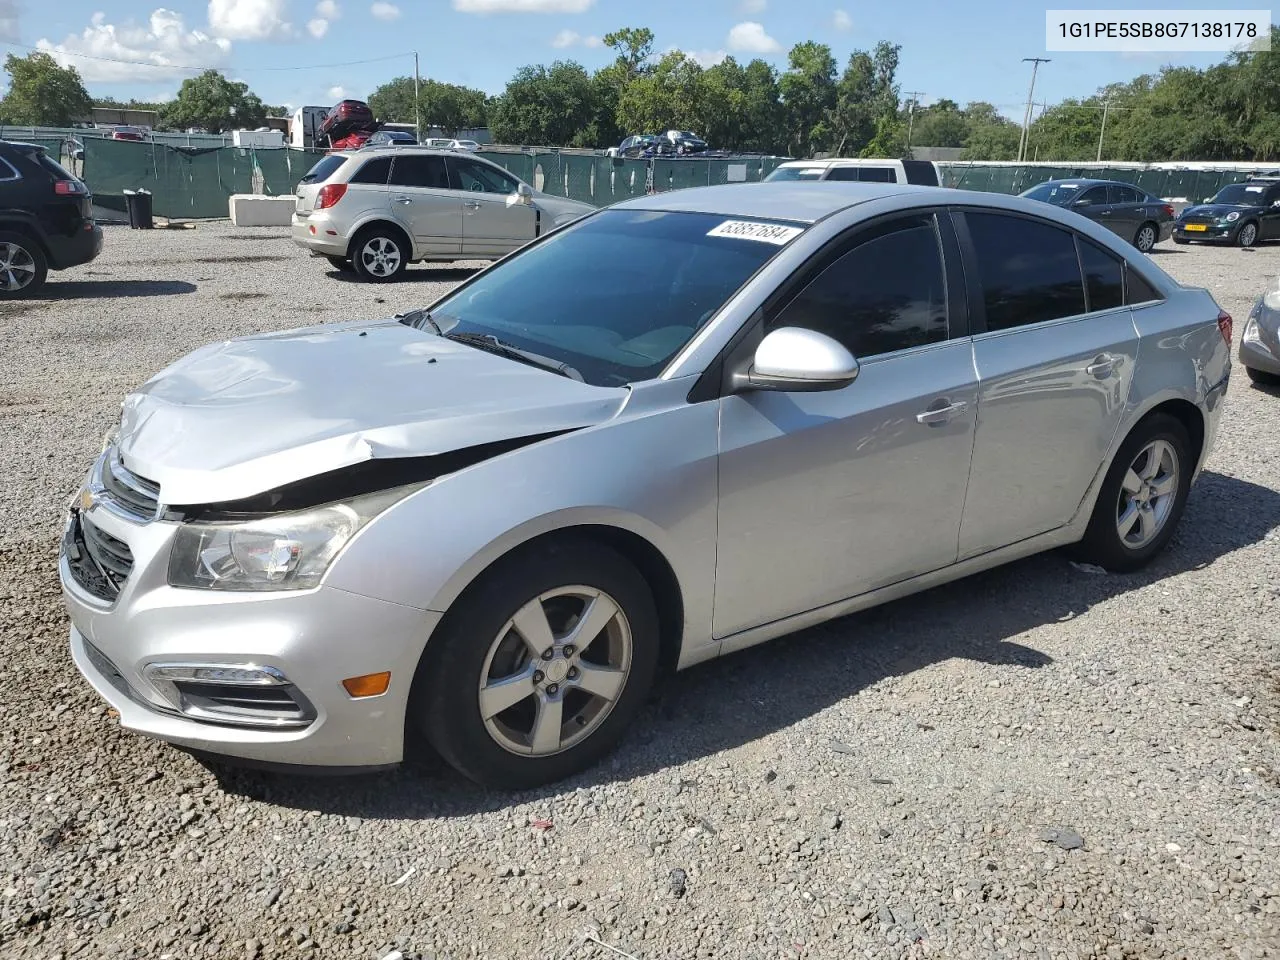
(374, 172)
(843, 173)
(1103, 276)
(1028, 269)
(419, 170)
(877, 175)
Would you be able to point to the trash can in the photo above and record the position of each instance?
(138, 203)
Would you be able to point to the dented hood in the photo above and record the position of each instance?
(238, 418)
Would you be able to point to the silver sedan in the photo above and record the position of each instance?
(1260, 343)
(679, 427)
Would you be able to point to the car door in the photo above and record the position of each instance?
(422, 199)
(828, 495)
(493, 222)
(1128, 209)
(1269, 228)
(1055, 359)
(1096, 205)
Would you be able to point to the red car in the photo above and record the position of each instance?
(346, 117)
(127, 133)
(352, 141)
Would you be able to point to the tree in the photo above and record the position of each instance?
(634, 46)
(943, 124)
(213, 103)
(991, 136)
(42, 93)
(809, 95)
(668, 97)
(555, 106)
(445, 105)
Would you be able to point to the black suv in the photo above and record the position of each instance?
(46, 219)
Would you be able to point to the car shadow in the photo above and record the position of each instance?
(110, 289)
(412, 275)
(730, 702)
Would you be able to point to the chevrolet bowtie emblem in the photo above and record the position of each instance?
(87, 500)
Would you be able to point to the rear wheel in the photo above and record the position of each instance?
(1142, 497)
(1146, 237)
(1248, 234)
(541, 665)
(379, 254)
(23, 267)
(1262, 378)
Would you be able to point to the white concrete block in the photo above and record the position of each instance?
(256, 210)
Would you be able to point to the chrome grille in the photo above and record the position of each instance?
(135, 496)
(98, 561)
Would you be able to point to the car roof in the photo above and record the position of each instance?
(832, 161)
(1089, 182)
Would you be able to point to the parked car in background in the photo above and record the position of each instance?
(685, 141)
(438, 143)
(923, 172)
(46, 219)
(470, 146)
(1260, 343)
(127, 133)
(1122, 208)
(352, 141)
(1240, 213)
(632, 146)
(376, 211)
(391, 138)
(686, 424)
(346, 117)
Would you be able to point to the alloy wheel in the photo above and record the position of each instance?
(380, 257)
(17, 267)
(1248, 234)
(1146, 239)
(1147, 494)
(555, 671)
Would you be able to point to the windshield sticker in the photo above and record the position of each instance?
(1069, 186)
(774, 233)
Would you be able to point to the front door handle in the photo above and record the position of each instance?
(1102, 366)
(937, 415)
(472, 204)
(404, 199)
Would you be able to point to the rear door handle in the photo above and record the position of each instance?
(936, 415)
(1102, 366)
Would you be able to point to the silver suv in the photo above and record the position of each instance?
(376, 210)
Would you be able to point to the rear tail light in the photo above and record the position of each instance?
(1168, 209)
(330, 194)
(1224, 325)
(69, 188)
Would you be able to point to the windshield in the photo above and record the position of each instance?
(616, 296)
(1059, 193)
(796, 173)
(1249, 194)
(323, 170)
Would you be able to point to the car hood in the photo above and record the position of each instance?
(241, 417)
(1219, 209)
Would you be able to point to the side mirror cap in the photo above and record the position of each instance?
(796, 359)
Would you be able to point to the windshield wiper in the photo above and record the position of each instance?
(491, 344)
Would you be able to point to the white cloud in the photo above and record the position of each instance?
(385, 11)
(164, 42)
(753, 6)
(706, 58)
(523, 6)
(749, 37)
(841, 21)
(338, 92)
(328, 10)
(9, 20)
(571, 38)
(318, 27)
(249, 19)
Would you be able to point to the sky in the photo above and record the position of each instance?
(296, 52)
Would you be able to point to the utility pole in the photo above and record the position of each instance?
(417, 110)
(911, 114)
(1105, 106)
(1026, 117)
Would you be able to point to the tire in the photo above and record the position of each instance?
(479, 641)
(1262, 378)
(379, 255)
(341, 263)
(1103, 543)
(23, 266)
(1247, 235)
(1146, 238)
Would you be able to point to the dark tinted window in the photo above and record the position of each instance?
(374, 171)
(480, 177)
(1138, 290)
(1092, 196)
(1103, 277)
(1125, 195)
(419, 170)
(876, 175)
(1028, 269)
(885, 294)
(921, 171)
(323, 170)
(843, 173)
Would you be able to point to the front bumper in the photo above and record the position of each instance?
(318, 236)
(314, 638)
(1213, 232)
(1255, 353)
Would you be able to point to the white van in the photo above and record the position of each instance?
(923, 172)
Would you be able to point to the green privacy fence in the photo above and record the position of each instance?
(1193, 185)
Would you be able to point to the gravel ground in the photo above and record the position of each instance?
(1037, 762)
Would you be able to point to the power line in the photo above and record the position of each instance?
(194, 69)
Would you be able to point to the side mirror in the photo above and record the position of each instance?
(1082, 202)
(523, 196)
(795, 359)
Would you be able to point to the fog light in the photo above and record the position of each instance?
(370, 685)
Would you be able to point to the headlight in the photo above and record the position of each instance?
(1251, 330)
(1232, 217)
(290, 551)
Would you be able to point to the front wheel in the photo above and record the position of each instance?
(1142, 497)
(1146, 237)
(1262, 378)
(540, 667)
(1248, 235)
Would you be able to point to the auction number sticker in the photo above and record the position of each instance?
(1157, 31)
(774, 233)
